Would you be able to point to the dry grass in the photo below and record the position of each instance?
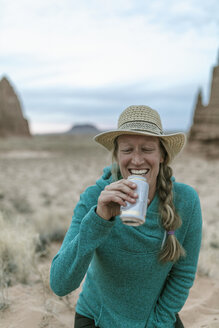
(41, 179)
(17, 253)
(202, 174)
(17, 248)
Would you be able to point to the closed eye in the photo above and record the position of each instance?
(126, 150)
(147, 150)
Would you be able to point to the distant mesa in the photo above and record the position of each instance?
(205, 128)
(12, 121)
(88, 129)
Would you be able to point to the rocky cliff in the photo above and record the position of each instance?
(205, 126)
(12, 122)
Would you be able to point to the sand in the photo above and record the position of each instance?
(202, 306)
(42, 175)
(31, 307)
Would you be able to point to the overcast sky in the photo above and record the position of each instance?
(85, 61)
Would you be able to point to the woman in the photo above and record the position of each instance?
(136, 277)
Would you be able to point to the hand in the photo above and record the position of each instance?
(115, 195)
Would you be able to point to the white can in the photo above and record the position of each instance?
(134, 214)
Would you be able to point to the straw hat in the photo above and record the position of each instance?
(142, 120)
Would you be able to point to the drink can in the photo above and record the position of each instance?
(134, 214)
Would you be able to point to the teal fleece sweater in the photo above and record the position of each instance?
(125, 285)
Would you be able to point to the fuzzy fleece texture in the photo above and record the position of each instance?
(125, 285)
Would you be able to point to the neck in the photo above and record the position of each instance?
(152, 192)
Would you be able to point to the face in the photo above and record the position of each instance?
(141, 155)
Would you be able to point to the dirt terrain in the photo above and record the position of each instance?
(40, 182)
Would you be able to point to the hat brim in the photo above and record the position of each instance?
(173, 143)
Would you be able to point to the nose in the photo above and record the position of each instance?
(137, 159)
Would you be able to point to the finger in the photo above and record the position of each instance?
(112, 196)
(124, 186)
(111, 201)
(129, 183)
(122, 182)
(123, 196)
(118, 200)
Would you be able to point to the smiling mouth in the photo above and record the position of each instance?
(139, 172)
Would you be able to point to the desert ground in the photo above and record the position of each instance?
(41, 179)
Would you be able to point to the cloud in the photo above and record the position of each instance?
(90, 59)
(101, 43)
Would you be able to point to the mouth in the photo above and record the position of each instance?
(139, 172)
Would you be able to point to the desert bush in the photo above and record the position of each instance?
(21, 204)
(17, 251)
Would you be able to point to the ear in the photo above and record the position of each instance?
(161, 159)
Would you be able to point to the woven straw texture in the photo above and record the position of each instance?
(139, 114)
(142, 120)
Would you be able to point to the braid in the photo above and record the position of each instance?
(172, 250)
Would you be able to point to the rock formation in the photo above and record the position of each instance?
(12, 122)
(83, 129)
(205, 126)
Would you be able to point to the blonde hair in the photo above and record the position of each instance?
(115, 170)
(172, 250)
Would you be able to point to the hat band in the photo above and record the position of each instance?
(142, 126)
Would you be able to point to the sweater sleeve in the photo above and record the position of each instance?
(87, 231)
(181, 276)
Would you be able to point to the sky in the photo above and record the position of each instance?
(75, 62)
